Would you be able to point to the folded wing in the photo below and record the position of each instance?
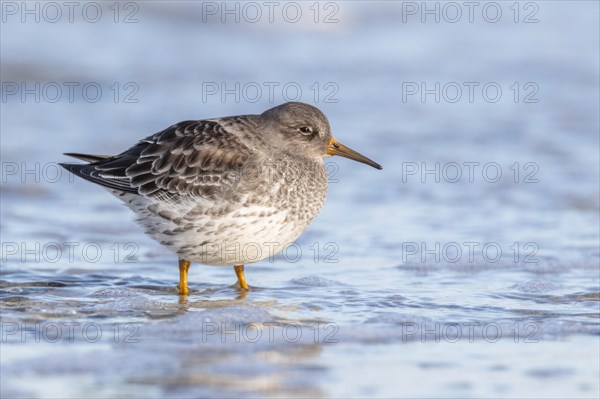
(198, 158)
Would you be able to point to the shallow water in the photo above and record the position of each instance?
(411, 282)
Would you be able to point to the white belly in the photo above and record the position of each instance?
(246, 235)
(238, 238)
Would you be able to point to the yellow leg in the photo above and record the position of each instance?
(184, 266)
(239, 271)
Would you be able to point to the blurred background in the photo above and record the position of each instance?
(468, 267)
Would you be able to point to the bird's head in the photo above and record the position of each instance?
(304, 129)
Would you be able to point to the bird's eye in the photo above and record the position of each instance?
(305, 130)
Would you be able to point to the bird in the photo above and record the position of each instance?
(225, 191)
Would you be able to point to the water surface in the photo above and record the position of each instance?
(411, 282)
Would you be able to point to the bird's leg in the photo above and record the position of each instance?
(184, 266)
(239, 271)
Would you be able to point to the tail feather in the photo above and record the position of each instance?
(75, 168)
(86, 157)
(95, 172)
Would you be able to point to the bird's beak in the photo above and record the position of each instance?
(337, 148)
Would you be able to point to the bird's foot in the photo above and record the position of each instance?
(241, 283)
(184, 267)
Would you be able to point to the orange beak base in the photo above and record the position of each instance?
(337, 148)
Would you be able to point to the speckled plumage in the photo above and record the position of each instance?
(223, 191)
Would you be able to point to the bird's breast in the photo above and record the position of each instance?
(295, 187)
(263, 212)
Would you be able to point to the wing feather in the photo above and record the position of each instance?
(197, 158)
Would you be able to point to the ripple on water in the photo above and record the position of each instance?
(315, 281)
(536, 286)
